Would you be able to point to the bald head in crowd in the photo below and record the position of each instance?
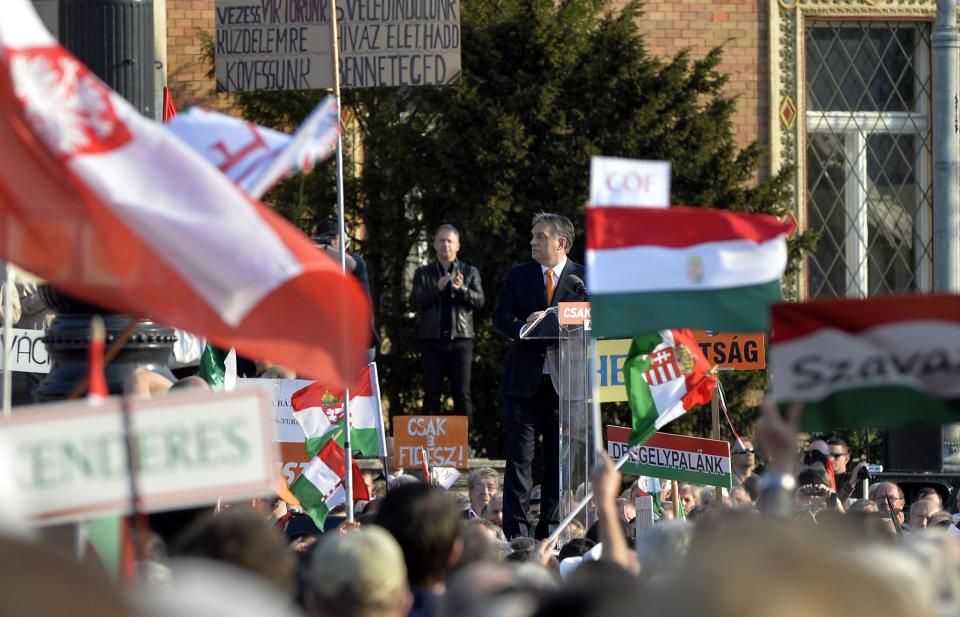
(359, 574)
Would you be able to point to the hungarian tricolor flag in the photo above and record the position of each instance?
(320, 487)
(650, 487)
(651, 268)
(112, 208)
(319, 410)
(883, 362)
(666, 375)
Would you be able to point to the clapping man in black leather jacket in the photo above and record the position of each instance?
(446, 292)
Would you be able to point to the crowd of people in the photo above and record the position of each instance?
(781, 542)
(810, 533)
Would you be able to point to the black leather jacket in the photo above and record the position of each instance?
(425, 299)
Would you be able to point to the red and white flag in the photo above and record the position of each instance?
(256, 157)
(113, 209)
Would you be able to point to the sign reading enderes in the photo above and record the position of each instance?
(69, 460)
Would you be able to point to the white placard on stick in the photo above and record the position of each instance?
(629, 183)
(69, 460)
(285, 426)
(28, 353)
(644, 505)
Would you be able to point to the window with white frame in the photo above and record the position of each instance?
(868, 157)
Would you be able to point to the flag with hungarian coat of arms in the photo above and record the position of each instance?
(322, 485)
(319, 410)
(666, 375)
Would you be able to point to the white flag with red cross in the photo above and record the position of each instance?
(112, 208)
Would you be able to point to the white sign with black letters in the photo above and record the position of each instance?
(288, 44)
(28, 354)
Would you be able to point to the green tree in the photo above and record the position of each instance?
(545, 86)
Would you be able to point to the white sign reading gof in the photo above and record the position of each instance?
(288, 44)
(616, 182)
(69, 460)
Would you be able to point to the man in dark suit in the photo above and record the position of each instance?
(530, 398)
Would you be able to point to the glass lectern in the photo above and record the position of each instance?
(572, 362)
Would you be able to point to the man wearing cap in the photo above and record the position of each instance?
(328, 238)
(358, 574)
(531, 407)
(445, 295)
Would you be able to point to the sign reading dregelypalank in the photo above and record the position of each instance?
(674, 457)
(882, 362)
(288, 44)
(69, 460)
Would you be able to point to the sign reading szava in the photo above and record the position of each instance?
(733, 351)
(69, 460)
(443, 437)
(288, 44)
(673, 457)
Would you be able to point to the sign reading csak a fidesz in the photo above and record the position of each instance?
(673, 457)
(69, 461)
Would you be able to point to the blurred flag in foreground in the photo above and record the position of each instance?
(113, 209)
(882, 362)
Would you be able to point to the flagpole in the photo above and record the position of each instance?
(341, 227)
(8, 288)
(580, 505)
(715, 432)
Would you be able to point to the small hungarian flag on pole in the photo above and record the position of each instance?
(885, 362)
(319, 410)
(648, 486)
(652, 268)
(666, 375)
(320, 487)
